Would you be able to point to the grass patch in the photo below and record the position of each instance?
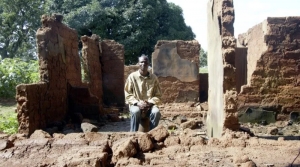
(203, 70)
(8, 122)
(8, 117)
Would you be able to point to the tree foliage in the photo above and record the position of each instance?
(19, 20)
(203, 58)
(15, 71)
(137, 24)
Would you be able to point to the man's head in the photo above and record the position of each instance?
(143, 63)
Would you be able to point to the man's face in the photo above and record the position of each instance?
(143, 63)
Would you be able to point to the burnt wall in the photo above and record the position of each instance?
(221, 67)
(275, 80)
(113, 73)
(176, 64)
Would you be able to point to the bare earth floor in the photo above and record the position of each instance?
(177, 141)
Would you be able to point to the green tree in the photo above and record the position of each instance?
(19, 20)
(137, 24)
(203, 58)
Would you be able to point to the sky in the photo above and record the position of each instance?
(248, 13)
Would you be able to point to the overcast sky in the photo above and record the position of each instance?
(248, 13)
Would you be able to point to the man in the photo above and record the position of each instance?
(142, 93)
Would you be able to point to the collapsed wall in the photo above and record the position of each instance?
(45, 103)
(61, 96)
(176, 64)
(273, 80)
(221, 68)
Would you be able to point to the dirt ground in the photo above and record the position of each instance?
(184, 145)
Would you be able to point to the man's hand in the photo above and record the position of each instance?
(144, 105)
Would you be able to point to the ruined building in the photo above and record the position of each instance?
(260, 70)
(61, 93)
(272, 79)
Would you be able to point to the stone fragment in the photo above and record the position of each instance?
(159, 133)
(257, 115)
(179, 119)
(87, 127)
(40, 134)
(295, 116)
(172, 140)
(4, 136)
(58, 135)
(4, 144)
(158, 145)
(273, 130)
(145, 142)
(128, 162)
(123, 148)
(248, 164)
(193, 124)
(241, 159)
(18, 136)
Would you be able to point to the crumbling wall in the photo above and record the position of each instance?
(176, 64)
(254, 38)
(221, 60)
(274, 83)
(113, 73)
(45, 103)
(92, 66)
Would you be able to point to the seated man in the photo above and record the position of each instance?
(142, 93)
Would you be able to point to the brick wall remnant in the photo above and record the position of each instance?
(176, 64)
(92, 66)
(273, 65)
(222, 96)
(61, 95)
(113, 73)
(45, 103)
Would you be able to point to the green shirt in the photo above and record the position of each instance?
(142, 88)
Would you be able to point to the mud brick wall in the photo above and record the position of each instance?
(113, 73)
(176, 64)
(128, 70)
(45, 103)
(254, 38)
(275, 81)
(92, 65)
(222, 98)
(32, 107)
